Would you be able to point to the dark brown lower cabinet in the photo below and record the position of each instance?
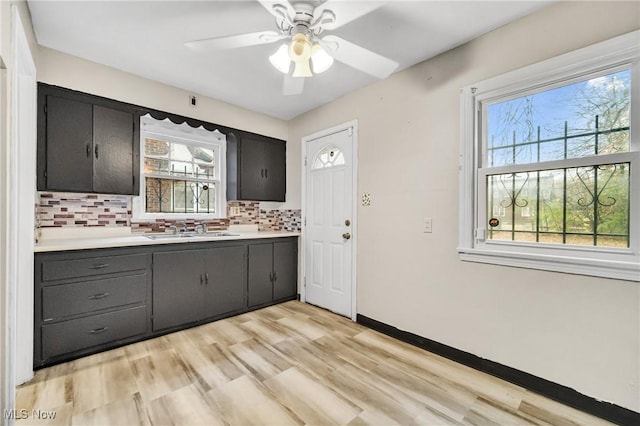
(87, 301)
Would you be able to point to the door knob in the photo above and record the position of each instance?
(346, 235)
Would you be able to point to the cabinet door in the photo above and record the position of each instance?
(260, 272)
(177, 288)
(285, 268)
(113, 151)
(275, 170)
(226, 270)
(69, 146)
(252, 169)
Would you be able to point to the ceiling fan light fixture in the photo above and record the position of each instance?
(300, 53)
(281, 60)
(320, 59)
(302, 69)
(299, 48)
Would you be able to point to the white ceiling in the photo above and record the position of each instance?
(146, 38)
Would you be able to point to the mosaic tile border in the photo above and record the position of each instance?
(58, 209)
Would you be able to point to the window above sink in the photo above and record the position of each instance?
(182, 172)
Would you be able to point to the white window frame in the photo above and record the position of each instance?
(605, 57)
(183, 133)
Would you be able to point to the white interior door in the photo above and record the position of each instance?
(329, 223)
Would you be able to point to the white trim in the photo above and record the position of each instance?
(23, 190)
(353, 124)
(607, 56)
(588, 60)
(183, 133)
(7, 383)
(580, 266)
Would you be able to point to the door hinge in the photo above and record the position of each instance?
(304, 282)
(45, 108)
(350, 131)
(305, 161)
(305, 221)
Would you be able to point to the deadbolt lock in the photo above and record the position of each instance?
(347, 222)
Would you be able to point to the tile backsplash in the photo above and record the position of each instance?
(62, 209)
(57, 209)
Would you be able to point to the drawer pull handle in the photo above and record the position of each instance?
(206, 278)
(99, 330)
(98, 296)
(100, 266)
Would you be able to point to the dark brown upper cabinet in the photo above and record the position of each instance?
(86, 143)
(256, 167)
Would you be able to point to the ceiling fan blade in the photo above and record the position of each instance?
(344, 11)
(234, 41)
(358, 57)
(281, 9)
(292, 85)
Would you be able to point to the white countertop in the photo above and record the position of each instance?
(141, 240)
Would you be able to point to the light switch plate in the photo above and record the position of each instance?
(366, 199)
(428, 225)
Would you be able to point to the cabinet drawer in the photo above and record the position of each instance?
(69, 336)
(78, 268)
(88, 296)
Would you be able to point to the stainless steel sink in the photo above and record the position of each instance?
(168, 236)
(190, 235)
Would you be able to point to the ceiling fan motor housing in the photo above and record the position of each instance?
(304, 13)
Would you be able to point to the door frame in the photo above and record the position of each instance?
(353, 124)
(22, 195)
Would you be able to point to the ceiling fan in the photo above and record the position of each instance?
(300, 26)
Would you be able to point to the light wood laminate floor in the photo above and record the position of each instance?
(287, 364)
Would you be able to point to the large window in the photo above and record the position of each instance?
(551, 164)
(182, 171)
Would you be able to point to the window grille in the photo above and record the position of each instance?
(550, 164)
(182, 171)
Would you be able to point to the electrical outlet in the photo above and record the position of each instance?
(427, 225)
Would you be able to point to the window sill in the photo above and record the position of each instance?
(621, 270)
